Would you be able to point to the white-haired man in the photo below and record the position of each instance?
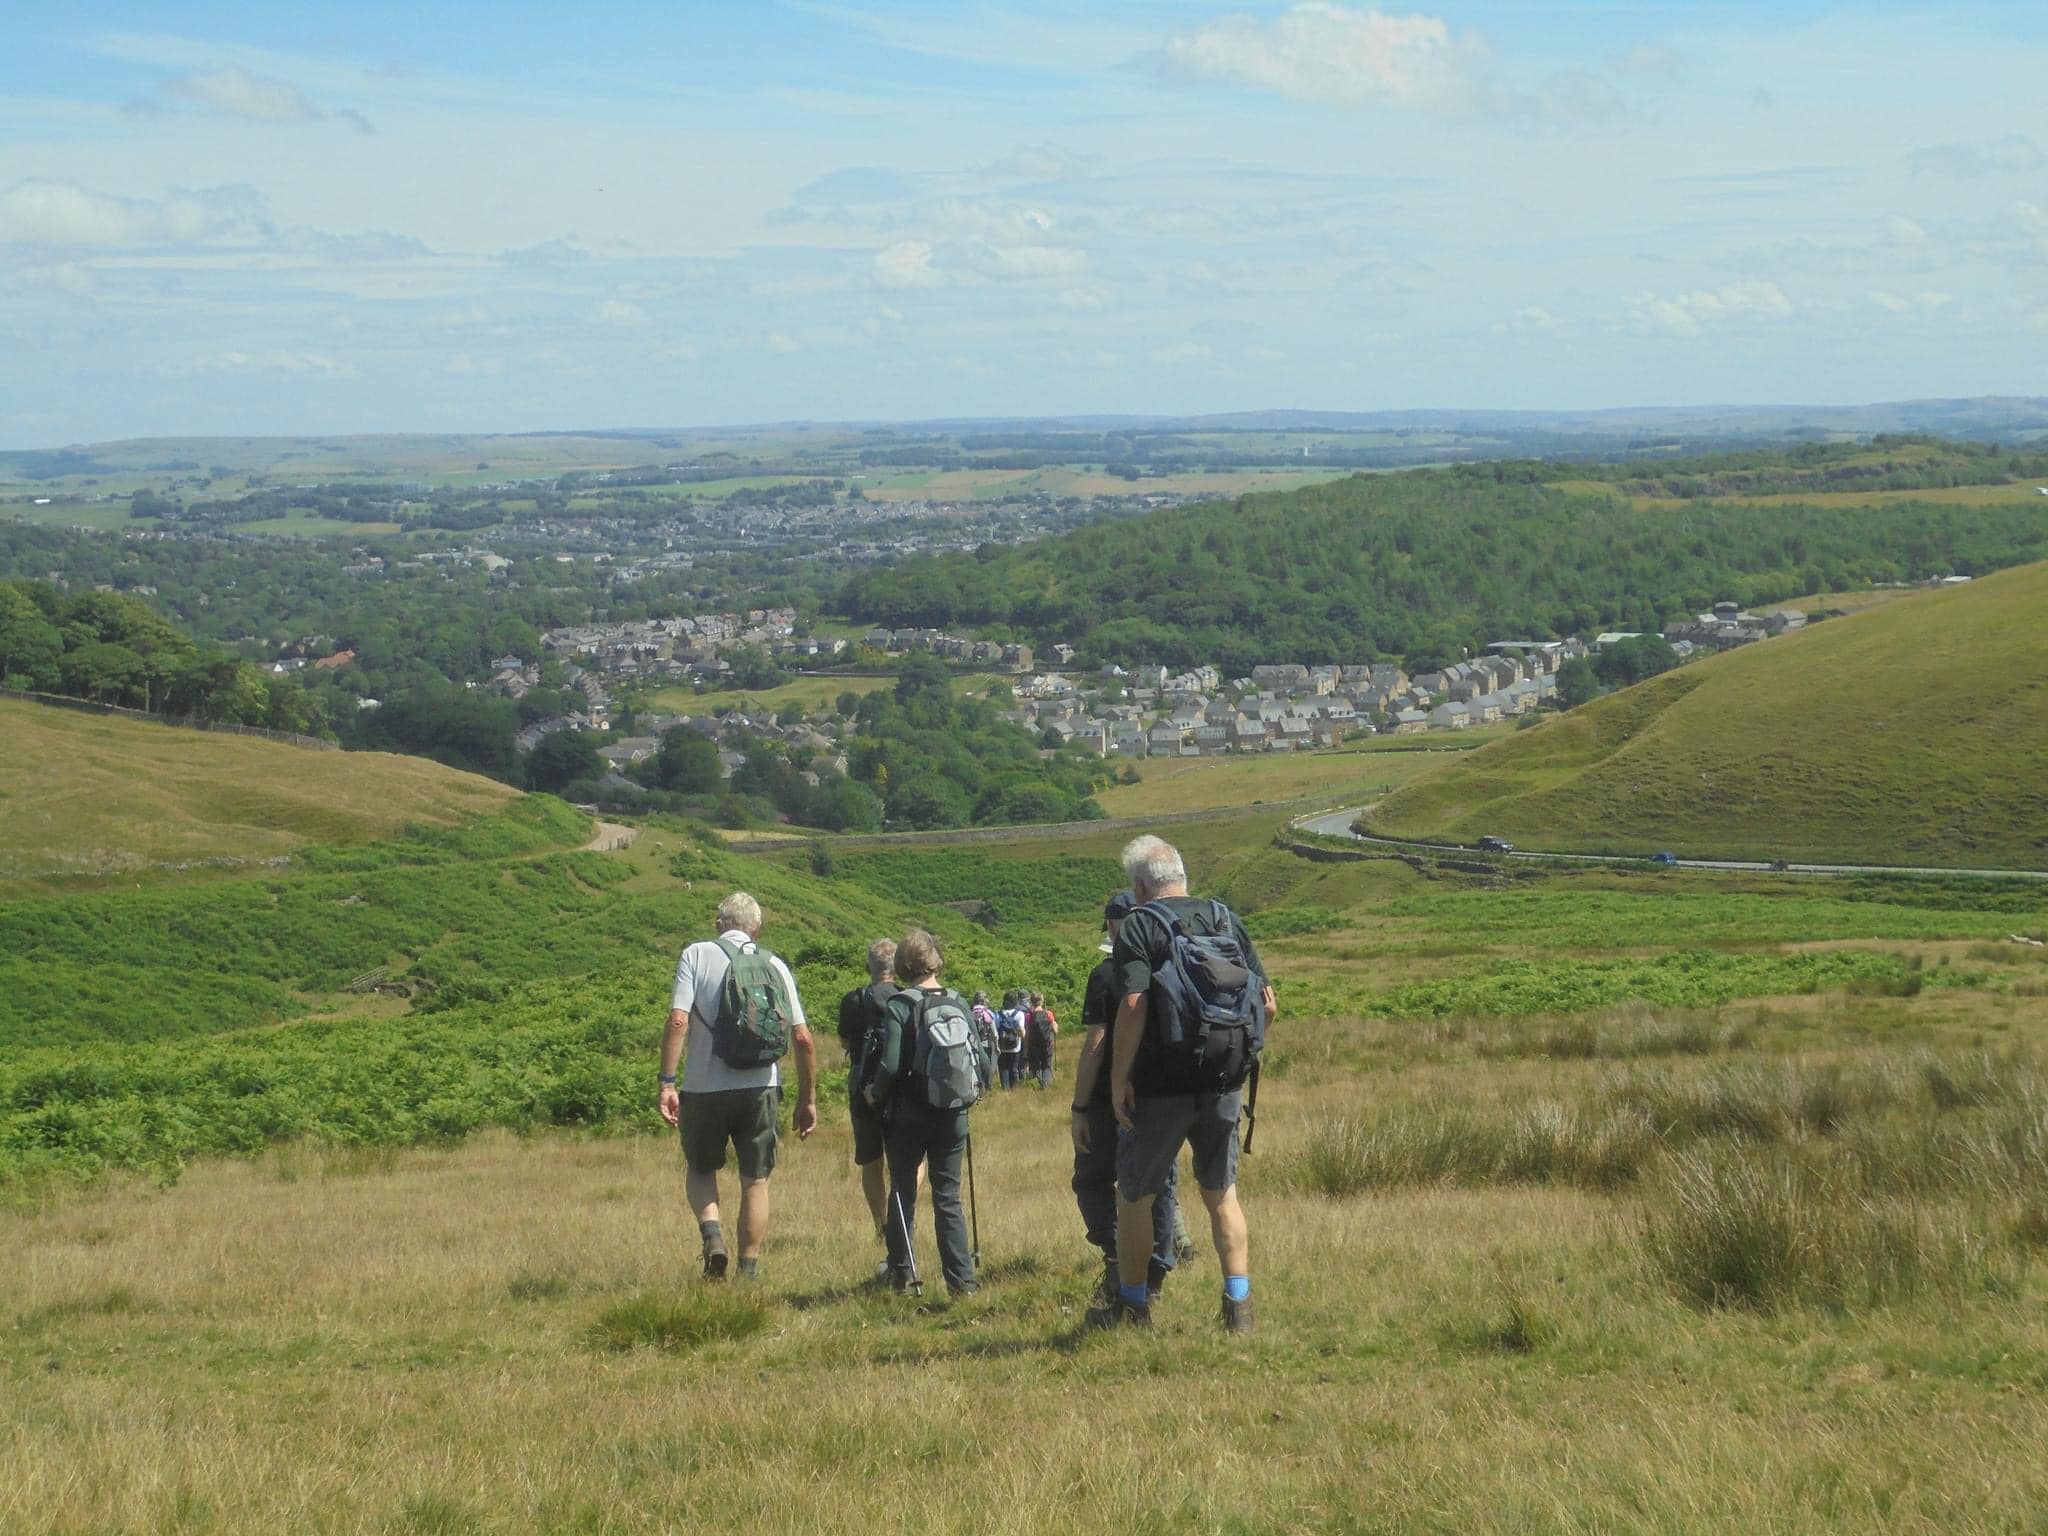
(1157, 1111)
(717, 1104)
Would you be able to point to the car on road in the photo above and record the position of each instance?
(1666, 857)
(1495, 845)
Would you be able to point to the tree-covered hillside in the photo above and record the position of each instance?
(1421, 564)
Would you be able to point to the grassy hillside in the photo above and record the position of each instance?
(1913, 733)
(94, 795)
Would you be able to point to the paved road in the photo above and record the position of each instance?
(1338, 824)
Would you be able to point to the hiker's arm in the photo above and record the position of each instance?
(673, 1035)
(1266, 996)
(1130, 1024)
(1086, 1066)
(805, 1118)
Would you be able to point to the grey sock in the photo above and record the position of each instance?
(749, 1268)
(711, 1232)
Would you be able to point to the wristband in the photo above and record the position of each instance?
(666, 1079)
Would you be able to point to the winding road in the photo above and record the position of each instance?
(1338, 824)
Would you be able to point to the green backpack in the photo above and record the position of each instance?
(754, 1009)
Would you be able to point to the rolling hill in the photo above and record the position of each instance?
(1914, 733)
(97, 795)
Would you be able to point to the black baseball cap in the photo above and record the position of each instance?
(1121, 906)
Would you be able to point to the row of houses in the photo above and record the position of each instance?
(961, 648)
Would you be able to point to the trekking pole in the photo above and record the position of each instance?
(909, 1253)
(1251, 1105)
(973, 1208)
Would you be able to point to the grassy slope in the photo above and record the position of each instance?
(92, 795)
(1909, 734)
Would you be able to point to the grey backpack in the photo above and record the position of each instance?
(945, 1052)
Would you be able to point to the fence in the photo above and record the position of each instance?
(183, 722)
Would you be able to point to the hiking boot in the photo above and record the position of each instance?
(901, 1279)
(1118, 1314)
(750, 1269)
(1237, 1315)
(715, 1259)
(1155, 1279)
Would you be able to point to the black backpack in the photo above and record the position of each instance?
(1206, 1008)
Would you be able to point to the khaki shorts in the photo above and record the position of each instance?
(744, 1117)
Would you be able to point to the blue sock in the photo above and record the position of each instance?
(1237, 1287)
(1134, 1295)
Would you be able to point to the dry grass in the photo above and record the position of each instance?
(508, 1337)
(98, 795)
(1219, 783)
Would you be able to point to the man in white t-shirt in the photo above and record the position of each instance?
(716, 1104)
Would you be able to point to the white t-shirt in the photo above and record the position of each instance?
(700, 981)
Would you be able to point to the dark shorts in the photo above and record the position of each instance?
(1205, 1122)
(867, 1129)
(745, 1117)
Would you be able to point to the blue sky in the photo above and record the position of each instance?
(319, 218)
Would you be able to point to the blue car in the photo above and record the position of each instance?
(1664, 858)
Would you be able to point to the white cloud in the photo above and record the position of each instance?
(55, 213)
(1084, 300)
(67, 277)
(1042, 162)
(906, 264)
(622, 313)
(1025, 263)
(2038, 320)
(1330, 54)
(1531, 320)
(1900, 304)
(298, 364)
(1903, 231)
(2013, 155)
(782, 342)
(232, 91)
(1184, 352)
(465, 366)
(1688, 313)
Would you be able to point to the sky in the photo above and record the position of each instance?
(248, 219)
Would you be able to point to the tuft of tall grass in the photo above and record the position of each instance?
(1542, 1142)
(1763, 1229)
(675, 1322)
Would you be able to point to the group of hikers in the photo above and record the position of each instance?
(1173, 1021)
(1022, 1031)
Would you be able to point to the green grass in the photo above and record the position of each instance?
(1908, 734)
(93, 797)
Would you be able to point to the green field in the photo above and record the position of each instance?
(91, 795)
(1752, 1240)
(815, 694)
(1354, 772)
(1912, 733)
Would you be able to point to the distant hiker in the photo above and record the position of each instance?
(985, 1031)
(1095, 1129)
(924, 1078)
(860, 1015)
(1040, 1030)
(1195, 1005)
(736, 1006)
(1010, 1039)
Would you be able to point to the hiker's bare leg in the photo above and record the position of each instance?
(753, 1217)
(1226, 1225)
(701, 1190)
(1132, 1257)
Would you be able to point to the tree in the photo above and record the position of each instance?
(560, 758)
(687, 762)
(29, 643)
(1577, 683)
(112, 674)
